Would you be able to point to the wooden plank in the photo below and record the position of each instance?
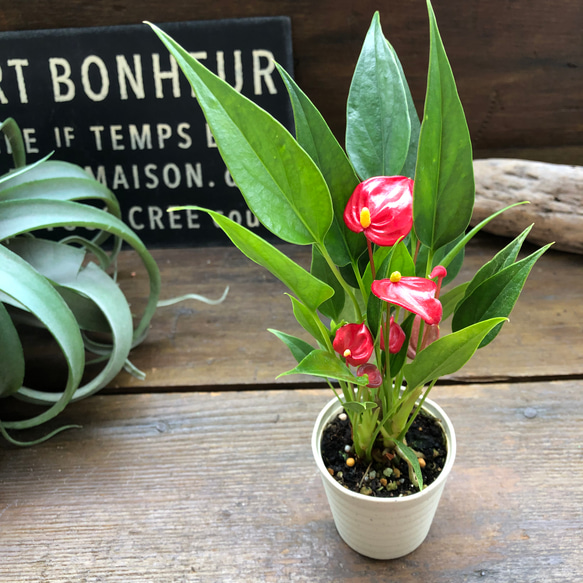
(517, 63)
(207, 347)
(206, 487)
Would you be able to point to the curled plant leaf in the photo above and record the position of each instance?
(63, 285)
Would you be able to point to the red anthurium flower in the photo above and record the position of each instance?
(440, 272)
(375, 379)
(430, 334)
(415, 294)
(382, 207)
(354, 342)
(396, 337)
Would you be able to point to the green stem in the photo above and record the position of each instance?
(417, 410)
(347, 289)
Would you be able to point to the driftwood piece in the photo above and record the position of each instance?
(555, 192)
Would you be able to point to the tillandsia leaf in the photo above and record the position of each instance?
(260, 153)
(95, 285)
(309, 321)
(12, 132)
(28, 215)
(448, 354)
(321, 363)
(443, 197)
(331, 308)
(298, 347)
(57, 180)
(12, 369)
(502, 259)
(495, 296)
(378, 126)
(36, 294)
(309, 289)
(93, 297)
(22, 170)
(316, 138)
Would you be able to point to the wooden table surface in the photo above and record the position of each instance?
(203, 472)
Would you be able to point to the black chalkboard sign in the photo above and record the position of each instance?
(112, 100)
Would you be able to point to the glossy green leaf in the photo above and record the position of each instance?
(443, 194)
(308, 320)
(333, 307)
(502, 259)
(298, 347)
(401, 261)
(280, 182)
(450, 299)
(448, 354)
(12, 369)
(359, 407)
(378, 126)
(316, 138)
(411, 159)
(320, 363)
(309, 290)
(495, 296)
(411, 458)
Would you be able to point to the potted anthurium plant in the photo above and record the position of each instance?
(387, 222)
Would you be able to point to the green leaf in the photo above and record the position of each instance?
(378, 125)
(280, 182)
(333, 307)
(495, 296)
(358, 407)
(12, 369)
(308, 320)
(443, 194)
(402, 261)
(12, 132)
(414, 468)
(309, 289)
(36, 294)
(298, 347)
(411, 160)
(502, 259)
(89, 289)
(452, 298)
(21, 216)
(316, 138)
(320, 363)
(448, 354)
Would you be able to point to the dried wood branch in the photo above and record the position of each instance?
(555, 192)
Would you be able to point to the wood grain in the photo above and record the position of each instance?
(195, 346)
(517, 63)
(555, 194)
(222, 487)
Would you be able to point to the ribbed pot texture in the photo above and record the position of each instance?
(382, 528)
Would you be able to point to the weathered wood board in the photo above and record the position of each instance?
(517, 64)
(206, 488)
(192, 345)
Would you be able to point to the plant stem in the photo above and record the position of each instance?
(347, 289)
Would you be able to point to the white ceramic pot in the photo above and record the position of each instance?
(382, 528)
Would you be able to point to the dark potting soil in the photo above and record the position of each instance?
(387, 475)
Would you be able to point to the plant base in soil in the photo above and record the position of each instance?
(387, 476)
